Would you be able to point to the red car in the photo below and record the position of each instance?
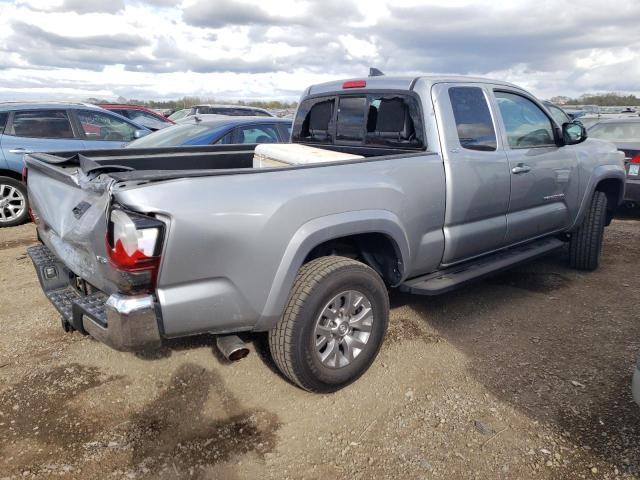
(139, 114)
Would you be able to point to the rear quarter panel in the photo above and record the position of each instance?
(235, 242)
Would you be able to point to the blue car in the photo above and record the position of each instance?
(218, 129)
(50, 127)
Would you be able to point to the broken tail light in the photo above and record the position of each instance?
(134, 243)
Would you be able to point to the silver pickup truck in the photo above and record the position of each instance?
(455, 178)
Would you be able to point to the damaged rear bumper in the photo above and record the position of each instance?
(124, 322)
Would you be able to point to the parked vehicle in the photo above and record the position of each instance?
(141, 115)
(231, 110)
(49, 126)
(437, 181)
(625, 134)
(178, 114)
(218, 129)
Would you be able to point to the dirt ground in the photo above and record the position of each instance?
(524, 375)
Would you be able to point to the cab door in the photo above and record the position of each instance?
(477, 171)
(544, 178)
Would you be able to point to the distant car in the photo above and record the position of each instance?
(218, 129)
(178, 114)
(141, 115)
(624, 132)
(230, 110)
(558, 114)
(50, 127)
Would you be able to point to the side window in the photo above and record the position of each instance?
(558, 115)
(313, 121)
(102, 126)
(473, 119)
(257, 134)
(393, 121)
(226, 140)
(526, 124)
(3, 121)
(41, 124)
(350, 123)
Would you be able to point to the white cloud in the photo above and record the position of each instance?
(148, 49)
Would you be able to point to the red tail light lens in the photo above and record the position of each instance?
(354, 84)
(134, 241)
(635, 159)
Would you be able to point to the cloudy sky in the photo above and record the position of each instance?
(163, 49)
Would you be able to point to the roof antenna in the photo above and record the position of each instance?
(374, 72)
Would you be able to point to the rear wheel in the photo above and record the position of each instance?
(13, 202)
(585, 246)
(333, 325)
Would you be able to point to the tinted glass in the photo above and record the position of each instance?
(393, 121)
(526, 124)
(257, 134)
(102, 126)
(173, 136)
(313, 120)
(616, 132)
(473, 119)
(41, 124)
(351, 112)
(558, 115)
(3, 121)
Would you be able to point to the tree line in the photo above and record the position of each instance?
(611, 99)
(186, 102)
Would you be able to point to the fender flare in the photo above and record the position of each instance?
(316, 232)
(603, 172)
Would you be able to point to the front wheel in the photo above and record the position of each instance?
(333, 325)
(585, 246)
(14, 208)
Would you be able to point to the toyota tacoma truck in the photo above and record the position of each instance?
(439, 181)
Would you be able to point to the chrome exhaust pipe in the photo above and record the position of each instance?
(232, 347)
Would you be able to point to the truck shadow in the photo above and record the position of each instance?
(556, 344)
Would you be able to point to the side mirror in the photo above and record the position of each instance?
(140, 133)
(573, 133)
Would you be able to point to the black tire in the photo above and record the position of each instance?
(585, 245)
(292, 340)
(22, 188)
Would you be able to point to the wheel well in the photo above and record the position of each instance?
(377, 250)
(10, 174)
(612, 189)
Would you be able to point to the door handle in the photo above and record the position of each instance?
(20, 150)
(521, 168)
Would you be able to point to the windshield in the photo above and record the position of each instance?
(616, 132)
(170, 137)
(179, 114)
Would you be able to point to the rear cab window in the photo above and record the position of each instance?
(473, 118)
(385, 119)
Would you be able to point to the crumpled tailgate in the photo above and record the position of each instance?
(71, 213)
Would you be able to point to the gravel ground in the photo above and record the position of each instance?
(524, 375)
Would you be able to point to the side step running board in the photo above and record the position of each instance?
(447, 279)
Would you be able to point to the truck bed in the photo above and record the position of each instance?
(179, 162)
